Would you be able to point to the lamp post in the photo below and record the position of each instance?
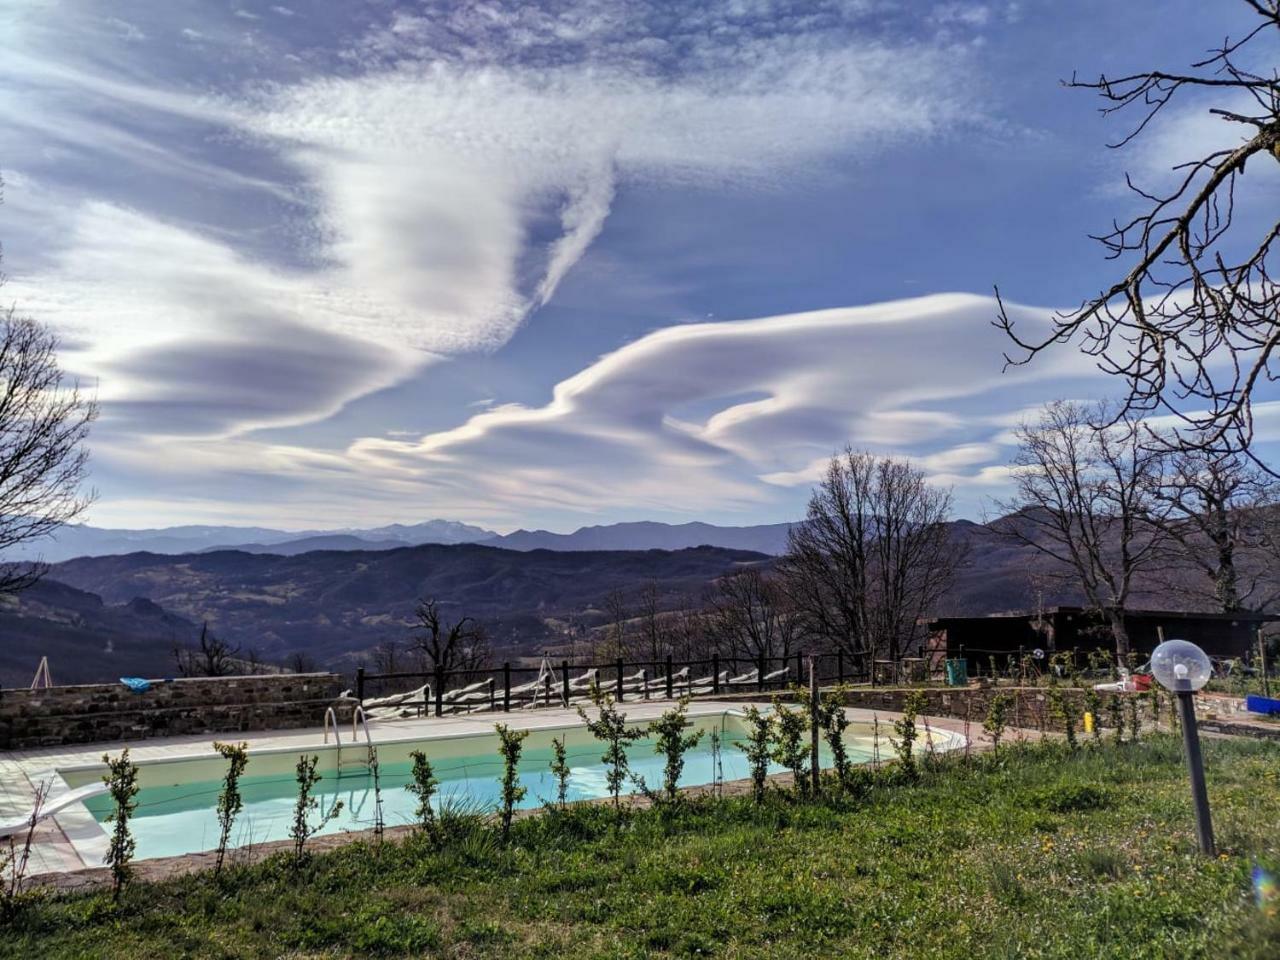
(1183, 668)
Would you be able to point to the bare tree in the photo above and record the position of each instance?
(653, 642)
(449, 648)
(1084, 500)
(44, 421)
(1192, 325)
(751, 616)
(1215, 510)
(301, 662)
(617, 630)
(872, 556)
(213, 657)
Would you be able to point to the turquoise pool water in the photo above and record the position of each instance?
(180, 818)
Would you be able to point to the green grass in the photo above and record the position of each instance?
(1039, 854)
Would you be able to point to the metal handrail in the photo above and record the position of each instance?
(360, 722)
(329, 714)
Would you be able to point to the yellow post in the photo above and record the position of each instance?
(1088, 722)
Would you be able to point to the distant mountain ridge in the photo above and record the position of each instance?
(650, 535)
(86, 541)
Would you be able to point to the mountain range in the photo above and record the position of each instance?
(86, 541)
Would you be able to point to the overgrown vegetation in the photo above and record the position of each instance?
(1040, 853)
(560, 770)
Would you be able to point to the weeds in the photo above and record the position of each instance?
(13, 860)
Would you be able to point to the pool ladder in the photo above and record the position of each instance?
(358, 723)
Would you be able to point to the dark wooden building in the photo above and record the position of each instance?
(1220, 635)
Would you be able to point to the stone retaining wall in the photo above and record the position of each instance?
(92, 713)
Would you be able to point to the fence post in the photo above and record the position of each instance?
(715, 673)
(360, 680)
(439, 692)
(799, 669)
(839, 667)
(760, 665)
(493, 696)
(506, 687)
(621, 666)
(669, 681)
(564, 672)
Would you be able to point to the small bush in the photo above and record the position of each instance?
(122, 783)
(510, 745)
(230, 803)
(610, 728)
(788, 748)
(905, 728)
(560, 770)
(1103, 864)
(834, 722)
(302, 830)
(423, 785)
(673, 743)
(997, 720)
(757, 749)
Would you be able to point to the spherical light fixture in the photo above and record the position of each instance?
(1180, 666)
(1184, 668)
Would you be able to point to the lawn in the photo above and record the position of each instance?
(1039, 853)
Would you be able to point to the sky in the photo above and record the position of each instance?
(546, 265)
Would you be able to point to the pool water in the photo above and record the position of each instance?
(176, 818)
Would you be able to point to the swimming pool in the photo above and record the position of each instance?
(176, 802)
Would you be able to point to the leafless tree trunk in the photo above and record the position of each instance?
(44, 422)
(1084, 500)
(1192, 325)
(872, 556)
(653, 633)
(449, 648)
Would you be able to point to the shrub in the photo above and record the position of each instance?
(375, 771)
(510, 744)
(422, 784)
(832, 719)
(301, 831)
(1115, 717)
(673, 743)
(997, 720)
(122, 783)
(1135, 716)
(789, 748)
(1093, 705)
(230, 803)
(610, 728)
(560, 770)
(905, 728)
(1065, 710)
(756, 747)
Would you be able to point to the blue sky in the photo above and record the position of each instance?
(344, 264)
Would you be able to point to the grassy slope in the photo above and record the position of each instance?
(992, 860)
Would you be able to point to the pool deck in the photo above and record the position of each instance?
(71, 840)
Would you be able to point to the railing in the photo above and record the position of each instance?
(564, 683)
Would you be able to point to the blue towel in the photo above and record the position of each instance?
(136, 684)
